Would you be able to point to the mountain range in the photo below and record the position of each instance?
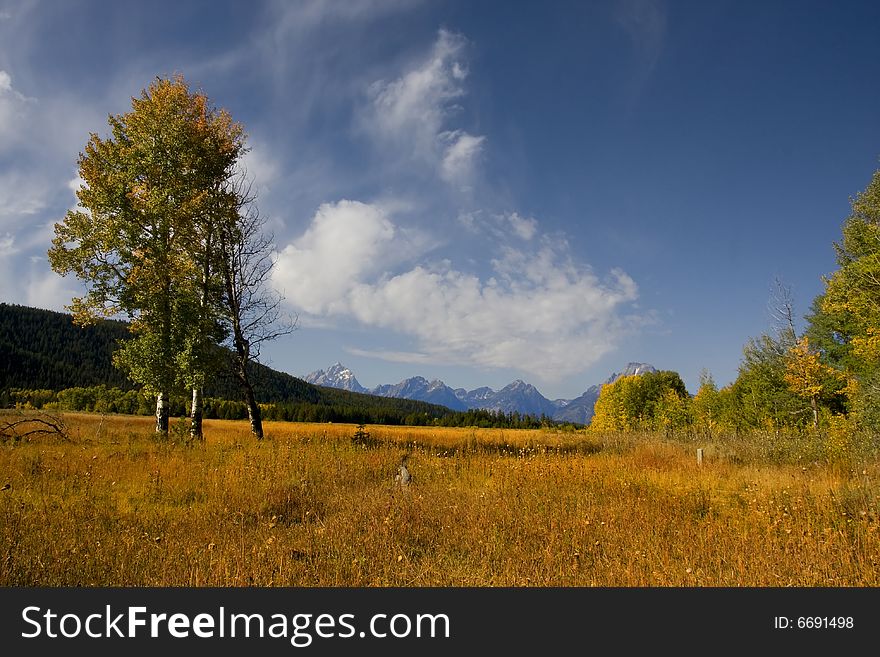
(519, 396)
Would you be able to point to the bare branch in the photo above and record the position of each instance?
(27, 426)
(252, 309)
(781, 309)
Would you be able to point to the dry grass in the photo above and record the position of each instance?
(112, 506)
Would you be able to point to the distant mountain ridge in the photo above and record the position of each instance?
(420, 388)
(517, 397)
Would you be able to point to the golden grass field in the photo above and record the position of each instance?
(112, 506)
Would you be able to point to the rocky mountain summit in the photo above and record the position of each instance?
(336, 376)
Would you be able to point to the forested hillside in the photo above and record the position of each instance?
(44, 350)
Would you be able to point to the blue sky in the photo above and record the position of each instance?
(482, 191)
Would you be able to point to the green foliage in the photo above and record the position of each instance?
(94, 399)
(140, 238)
(808, 377)
(707, 406)
(45, 349)
(830, 332)
(845, 323)
(786, 382)
(672, 412)
(145, 361)
(760, 394)
(853, 290)
(361, 436)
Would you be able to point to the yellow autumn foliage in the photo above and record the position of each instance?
(805, 374)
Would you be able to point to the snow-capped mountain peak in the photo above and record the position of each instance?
(336, 376)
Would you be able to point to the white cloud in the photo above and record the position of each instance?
(500, 226)
(524, 227)
(540, 311)
(460, 156)
(418, 102)
(259, 165)
(549, 318)
(7, 244)
(29, 280)
(47, 131)
(8, 92)
(49, 290)
(306, 15)
(21, 194)
(75, 183)
(412, 111)
(13, 110)
(392, 356)
(346, 242)
(41, 140)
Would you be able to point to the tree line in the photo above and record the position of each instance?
(354, 409)
(829, 373)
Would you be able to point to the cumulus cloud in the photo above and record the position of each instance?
(412, 111)
(524, 227)
(346, 242)
(553, 322)
(539, 311)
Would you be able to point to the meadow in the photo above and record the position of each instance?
(109, 505)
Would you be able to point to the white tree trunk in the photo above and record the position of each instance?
(162, 413)
(196, 414)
